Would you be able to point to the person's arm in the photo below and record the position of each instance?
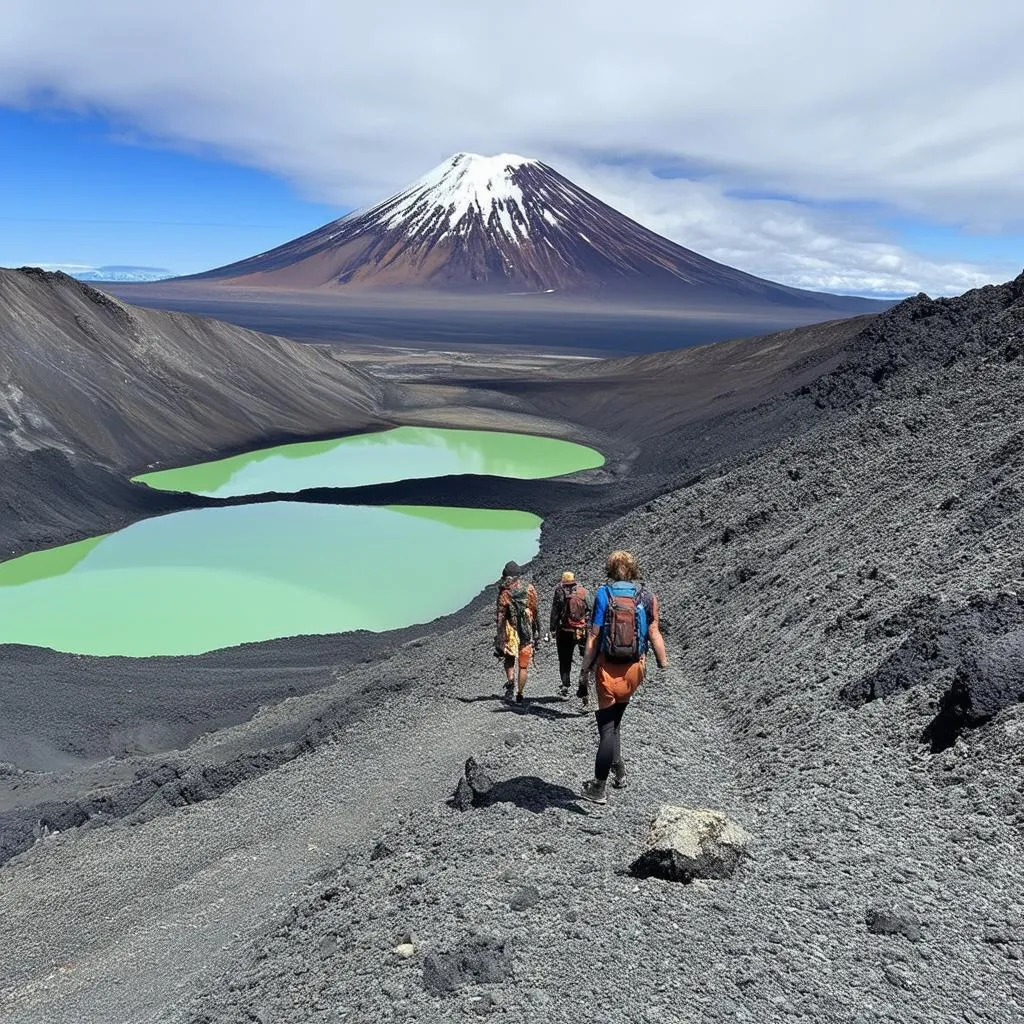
(597, 621)
(532, 605)
(499, 616)
(590, 654)
(654, 634)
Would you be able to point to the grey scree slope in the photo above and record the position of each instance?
(787, 580)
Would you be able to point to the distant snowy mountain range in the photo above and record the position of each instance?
(508, 224)
(111, 273)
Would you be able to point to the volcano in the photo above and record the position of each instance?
(507, 224)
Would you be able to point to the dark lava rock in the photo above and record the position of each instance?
(462, 799)
(984, 685)
(479, 781)
(525, 898)
(476, 961)
(942, 635)
(474, 787)
(893, 921)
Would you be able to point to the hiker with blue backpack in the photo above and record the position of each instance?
(624, 624)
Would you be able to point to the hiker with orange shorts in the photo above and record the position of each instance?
(624, 624)
(517, 627)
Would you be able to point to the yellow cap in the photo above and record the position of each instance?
(568, 577)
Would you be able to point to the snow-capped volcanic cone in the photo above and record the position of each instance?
(504, 224)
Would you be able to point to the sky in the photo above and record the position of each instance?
(872, 148)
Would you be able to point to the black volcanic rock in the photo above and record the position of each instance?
(985, 684)
(506, 224)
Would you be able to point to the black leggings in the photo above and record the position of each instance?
(608, 751)
(566, 642)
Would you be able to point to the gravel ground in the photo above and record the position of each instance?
(881, 544)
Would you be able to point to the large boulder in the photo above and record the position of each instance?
(686, 843)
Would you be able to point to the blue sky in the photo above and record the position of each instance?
(872, 148)
(77, 195)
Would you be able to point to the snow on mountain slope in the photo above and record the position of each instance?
(506, 224)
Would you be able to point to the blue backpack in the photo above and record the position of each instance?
(624, 633)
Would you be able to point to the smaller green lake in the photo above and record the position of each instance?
(403, 453)
(208, 578)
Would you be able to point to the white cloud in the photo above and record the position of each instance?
(909, 103)
(781, 240)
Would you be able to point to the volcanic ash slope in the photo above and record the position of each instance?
(890, 533)
(876, 555)
(93, 390)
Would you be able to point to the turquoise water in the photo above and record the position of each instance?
(404, 453)
(209, 578)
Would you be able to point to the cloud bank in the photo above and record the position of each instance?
(902, 104)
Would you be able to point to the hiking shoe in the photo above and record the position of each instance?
(563, 692)
(509, 687)
(519, 698)
(619, 779)
(594, 792)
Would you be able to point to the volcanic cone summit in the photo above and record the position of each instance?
(465, 189)
(506, 224)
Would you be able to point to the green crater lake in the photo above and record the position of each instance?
(403, 453)
(209, 578)
(199, 580)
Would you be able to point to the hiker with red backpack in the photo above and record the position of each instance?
(517, 628)
(570, 615)
(624, 624)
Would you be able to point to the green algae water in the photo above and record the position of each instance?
(404, 453)
(210, 578)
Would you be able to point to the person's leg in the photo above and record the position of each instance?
(618, 766)
(510, 672)
(525, 654)
(566, 644)
(608, 720)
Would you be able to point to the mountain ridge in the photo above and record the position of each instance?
(507, 224)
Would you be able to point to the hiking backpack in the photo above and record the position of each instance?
(518, 611)
(624, 633)
(574, 607)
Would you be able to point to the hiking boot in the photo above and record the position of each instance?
(619, 780)
(519, 698)
(509, 687)
(594, 792)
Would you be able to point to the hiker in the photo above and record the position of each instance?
(624, 623)
(570, 614)
(517, 626)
